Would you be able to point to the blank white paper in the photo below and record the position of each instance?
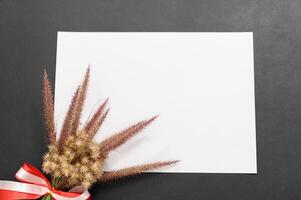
(201, 85)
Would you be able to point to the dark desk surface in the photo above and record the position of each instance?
(28, 44)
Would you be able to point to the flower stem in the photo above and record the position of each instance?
(47, 197)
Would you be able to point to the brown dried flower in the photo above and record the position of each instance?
(48, 109)
(75, 159)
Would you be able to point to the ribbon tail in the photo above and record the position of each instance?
(13, 195)
(10, 190)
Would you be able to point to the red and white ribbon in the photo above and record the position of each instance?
(33, 185)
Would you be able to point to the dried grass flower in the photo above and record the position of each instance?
(74, 158)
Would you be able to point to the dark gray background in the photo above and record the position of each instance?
(28, 44)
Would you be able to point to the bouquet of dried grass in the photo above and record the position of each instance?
(74, 158)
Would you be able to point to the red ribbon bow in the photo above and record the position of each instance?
(33, 185)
